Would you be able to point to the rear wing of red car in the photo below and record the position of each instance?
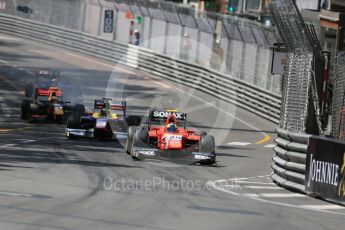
(159, 117)
(156, 115)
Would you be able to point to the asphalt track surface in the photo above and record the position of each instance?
(50, 182)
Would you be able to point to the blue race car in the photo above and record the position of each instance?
(107, 121)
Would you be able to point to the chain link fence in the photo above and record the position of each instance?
(303, 82)
(296, 96)
(338, 105)
(290, 24)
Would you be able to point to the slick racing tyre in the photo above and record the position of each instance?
(79, 109)
(29, 89)
(25, 109)
(73, 121)
(130, 137)
(139, 140)
(207, 145)
(33, 108)
(141, 137)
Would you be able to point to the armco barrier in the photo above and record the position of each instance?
(252, 98)
(289, 161)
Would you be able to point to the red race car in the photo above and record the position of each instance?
(166, 137)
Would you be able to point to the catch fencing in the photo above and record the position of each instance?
(300, 111)
(338, 105)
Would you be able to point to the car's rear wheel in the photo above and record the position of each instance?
(59, 119)
(33, 108)
(73, 121)
(79, 109)
(25, 109)
(29, 89)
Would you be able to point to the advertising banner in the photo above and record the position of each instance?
(325, 168)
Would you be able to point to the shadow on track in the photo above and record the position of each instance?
(15, 155)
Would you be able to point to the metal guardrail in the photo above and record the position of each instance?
(252, 98)
(289, 161)
(232, 45)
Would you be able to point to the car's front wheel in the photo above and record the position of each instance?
(207, 145)
(130, 137)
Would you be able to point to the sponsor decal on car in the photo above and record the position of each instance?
(169, 137)
(165, 114)
(201, 157)
(101, 123)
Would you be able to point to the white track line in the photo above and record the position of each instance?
(254, 182)
(281, 195)
(270, 146)
(241, 178)
(251, 194)
(256, 197)
(15, 194)
(29, 141)
(232, 186)
(239, 143)
(7, 145)
(323, 207)
(262, 187)
(8, 38)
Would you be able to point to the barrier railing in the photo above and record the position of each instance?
(289, 161)
(250, 97)
(229, 44)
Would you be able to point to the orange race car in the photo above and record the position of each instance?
(46, 104)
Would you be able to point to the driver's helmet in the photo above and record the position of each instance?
(103, 113)
(54, 82)
(171, 124)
